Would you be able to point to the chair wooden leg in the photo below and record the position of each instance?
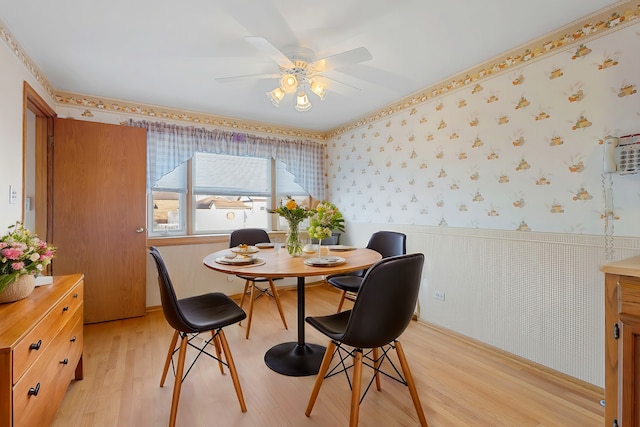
(216, 344)
(355, 391)
(172, 347)
(412, 385)
(324, 367)
(277, 298)
(250, 314)
(232, 369)
(177, 385)
(376, 365)
(342, 298)
(244, 293)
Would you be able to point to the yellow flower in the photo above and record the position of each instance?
(291, 204)
(292, 212)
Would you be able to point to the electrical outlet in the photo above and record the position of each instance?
(230, 277)
(438, 295)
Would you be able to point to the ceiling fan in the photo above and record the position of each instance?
(299, 71)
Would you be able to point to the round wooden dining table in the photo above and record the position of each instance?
(294, 358)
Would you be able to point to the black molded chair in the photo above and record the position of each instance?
(384, 307)
(252, 236)
(189, 317)
(387, 243)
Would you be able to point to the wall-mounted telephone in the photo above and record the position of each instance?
(622, 155)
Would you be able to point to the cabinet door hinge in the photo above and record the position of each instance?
(616, 331)
(50, 140)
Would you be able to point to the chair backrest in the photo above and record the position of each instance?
(170, 305)
(388, 243)
(386, 301)
(248, 236)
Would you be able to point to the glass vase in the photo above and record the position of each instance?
(294, 245)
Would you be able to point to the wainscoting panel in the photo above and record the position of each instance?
(536, 295)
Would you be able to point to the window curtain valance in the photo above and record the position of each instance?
(169, 145)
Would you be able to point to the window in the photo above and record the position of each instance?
(226, 193)
(286, 187)
(230, 192)
(168, 200)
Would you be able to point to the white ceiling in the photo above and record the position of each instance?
(169, 53)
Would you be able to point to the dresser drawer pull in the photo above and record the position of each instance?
(65, 361)
(73, 339)
(75, 295)
(65, 308)
(33, 391)
(35, 345)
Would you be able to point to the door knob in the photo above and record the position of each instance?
(140, 230)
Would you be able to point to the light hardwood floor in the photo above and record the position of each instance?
(460, 382)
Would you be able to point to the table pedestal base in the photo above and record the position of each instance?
(295, 360)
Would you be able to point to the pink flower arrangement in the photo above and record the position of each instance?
(22, 253)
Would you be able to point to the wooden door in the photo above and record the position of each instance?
(99, 215)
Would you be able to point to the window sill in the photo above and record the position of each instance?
(187, 240)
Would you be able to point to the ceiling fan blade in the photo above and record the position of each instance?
(349, 57)
(340, 87)
(270, 50)
(231, 79)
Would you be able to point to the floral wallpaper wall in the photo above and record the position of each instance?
(520, 150)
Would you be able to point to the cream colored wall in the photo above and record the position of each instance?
(499, 184)
(536, 295)
(13, 74)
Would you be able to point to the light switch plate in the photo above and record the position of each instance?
(13, 194)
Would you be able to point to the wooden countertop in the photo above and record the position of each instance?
(625, 267)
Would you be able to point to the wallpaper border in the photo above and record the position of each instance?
(164, 113)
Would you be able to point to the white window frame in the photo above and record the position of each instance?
(187, 205)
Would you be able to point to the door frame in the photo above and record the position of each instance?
(34, 103)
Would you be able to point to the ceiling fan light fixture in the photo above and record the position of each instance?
(319, 89)
(289, 83)
(275, 96)
(299, 70)
(302, 102)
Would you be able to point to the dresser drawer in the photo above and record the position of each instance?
(37, 395)
(629, 296)
(71, 341)
(38, 339)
